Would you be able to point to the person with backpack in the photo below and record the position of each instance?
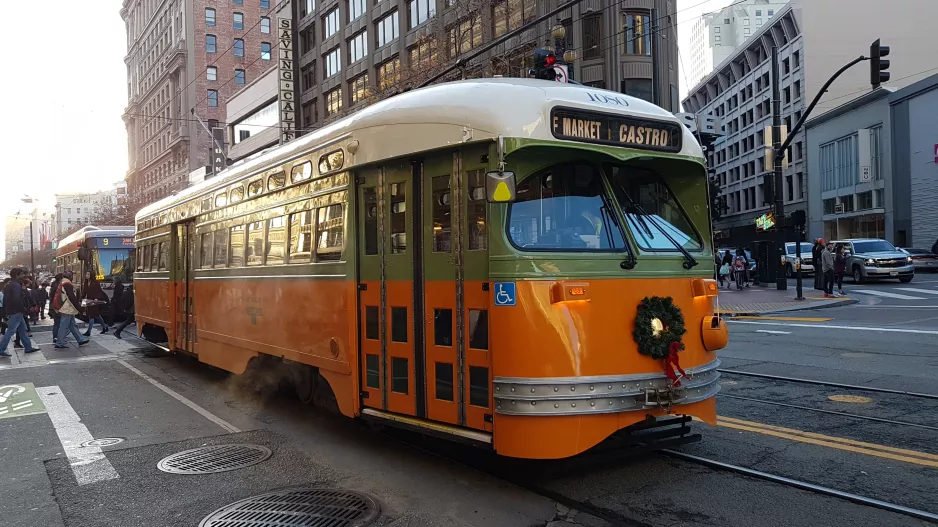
(92, 292)
(15, 310)
(53, 289)
(66, 304)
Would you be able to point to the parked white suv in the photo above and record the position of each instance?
(807, 265)
(871, 258)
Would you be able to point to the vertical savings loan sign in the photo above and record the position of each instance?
(285, 80)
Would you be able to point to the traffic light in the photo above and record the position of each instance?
(878, 65)
(544, 61)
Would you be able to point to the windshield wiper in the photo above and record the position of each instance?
(689, 261)
(631, 261)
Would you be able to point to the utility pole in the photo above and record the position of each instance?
(781, 282)
(655, 60)
(32, 260)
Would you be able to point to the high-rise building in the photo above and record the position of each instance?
(184, 59)
(355, 52)
(813, 38)
(717, 35)
(81, 208)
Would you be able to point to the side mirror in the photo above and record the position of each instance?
(500, 187)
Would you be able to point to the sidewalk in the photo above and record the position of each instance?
(760, 300)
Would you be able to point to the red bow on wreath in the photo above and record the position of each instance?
(672, 362)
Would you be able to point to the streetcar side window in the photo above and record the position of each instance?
(140, 251)
(145, 265)
(237, 194)
(164, 249)
(221, 248)
(154, 257)
(301, 172)
(475, 208)
(276, 181)
(255, 187)
(255, 243)
(563, 208)
(276, 228)
(301, 236)
(205, 258)
(236, 250)
(331, 232)
(221, 200)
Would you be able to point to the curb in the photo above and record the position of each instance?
(833, 303)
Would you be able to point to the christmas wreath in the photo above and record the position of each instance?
(659, 328)
(658, 324)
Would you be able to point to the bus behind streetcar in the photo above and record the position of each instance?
(106, 252)
(522, 264)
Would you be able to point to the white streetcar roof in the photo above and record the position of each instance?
(439, 115)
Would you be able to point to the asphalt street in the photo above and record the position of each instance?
(152, 404)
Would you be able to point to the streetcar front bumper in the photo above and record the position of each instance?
(603, 394)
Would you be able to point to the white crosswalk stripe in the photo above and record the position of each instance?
(885, 294)
(916, 290)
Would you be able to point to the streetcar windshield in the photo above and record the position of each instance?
(112, 262)
(651, 211)
(564, 208)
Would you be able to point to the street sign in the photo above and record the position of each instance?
(561, 71)
(21, 399)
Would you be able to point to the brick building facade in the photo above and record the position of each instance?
(185, 58)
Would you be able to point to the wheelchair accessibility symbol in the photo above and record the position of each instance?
(505, 293)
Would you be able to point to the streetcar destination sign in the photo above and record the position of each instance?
(616, 130)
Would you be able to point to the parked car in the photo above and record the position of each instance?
(922, 259)
(872, 258)
(807, 265)
(749, 258)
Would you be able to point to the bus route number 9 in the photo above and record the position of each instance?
(105, 241)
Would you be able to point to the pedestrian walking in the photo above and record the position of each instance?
(816, 259)
(41, 296)
(54, 290)
(840, 268)
(66, 305)
(91, 291)
(127, 307)
(827, 265)
(726, 266)
(116, 302)
(15, 311)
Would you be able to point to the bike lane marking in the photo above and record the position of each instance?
(17, 400)
(89, 464)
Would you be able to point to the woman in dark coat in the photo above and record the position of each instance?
(91, 290)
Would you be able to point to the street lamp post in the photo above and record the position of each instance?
(564, 56)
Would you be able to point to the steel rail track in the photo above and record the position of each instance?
(832, 384)
(832, 412)
(803, 485)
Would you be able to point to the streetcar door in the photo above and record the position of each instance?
(454, 262)
(386, 289)
(182, 315)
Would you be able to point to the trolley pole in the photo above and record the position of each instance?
(32, 260)
(781, 282)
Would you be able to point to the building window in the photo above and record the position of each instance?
(419, 11)
(330, 23)
(424, 54)
(389, 73)
(308, 39)
(637, 34)
(310, 113)
(876, 152)
(265, 4)
(358, 47)
(716, 40)
(308, 77)
(356, 8)
(334, 102)
(210, 43)
(238, 47)
(265, 50)
(465, 36)
(758, 22)
(213, 98)
(209, 17)
(758, 12)
(237, 2)
(358, 89)
(239, 21)
(386, 30)
(746, 22)
(716, 29)
(332, 63)
(211, 73)
(239, 76)
(640, 88)
(307, 8)
(265, 24)
(592, 37)
(508, 15)
(771, 12)
(746, 32)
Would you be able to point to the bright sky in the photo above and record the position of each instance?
(64, 89)
(688, 11)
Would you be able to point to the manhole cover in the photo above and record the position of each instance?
(211, 459)
(306, 507)
(104, 441)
